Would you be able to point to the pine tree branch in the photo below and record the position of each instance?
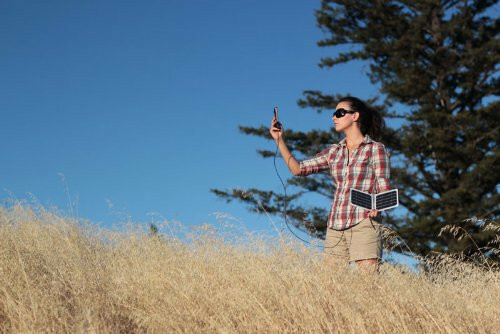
(310, 220)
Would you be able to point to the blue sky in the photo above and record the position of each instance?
(133, 107)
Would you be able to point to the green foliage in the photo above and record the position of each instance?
(440, 60)
(153, 230)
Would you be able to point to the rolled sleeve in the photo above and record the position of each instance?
(315, 165)
(381, 168)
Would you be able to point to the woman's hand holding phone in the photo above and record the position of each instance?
(276, 129)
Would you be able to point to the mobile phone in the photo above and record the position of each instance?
(277, 124)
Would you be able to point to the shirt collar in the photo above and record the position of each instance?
(366, 140)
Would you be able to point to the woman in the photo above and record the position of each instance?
(357, 161)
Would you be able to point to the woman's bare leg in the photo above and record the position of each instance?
(369, 266)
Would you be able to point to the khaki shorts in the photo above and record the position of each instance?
(361, 242)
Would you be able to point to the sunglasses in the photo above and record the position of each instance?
(340, 112)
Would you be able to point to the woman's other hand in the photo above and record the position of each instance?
(373, 213)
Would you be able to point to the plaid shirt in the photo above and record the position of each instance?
(368, 171)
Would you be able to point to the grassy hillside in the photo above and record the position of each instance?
(57, 275)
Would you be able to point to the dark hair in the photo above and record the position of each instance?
(370, 120)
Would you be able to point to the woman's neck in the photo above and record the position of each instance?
(354, 137)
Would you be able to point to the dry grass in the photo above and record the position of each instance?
(61, 276)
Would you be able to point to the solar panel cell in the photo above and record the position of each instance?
(362, 199)
(387, 200)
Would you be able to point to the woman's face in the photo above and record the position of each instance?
(346, 121)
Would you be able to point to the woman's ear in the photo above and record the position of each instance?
(356, 116)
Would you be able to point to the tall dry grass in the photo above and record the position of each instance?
(58, 275)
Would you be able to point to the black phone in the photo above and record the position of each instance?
(277, 124)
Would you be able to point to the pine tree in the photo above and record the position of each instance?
(439, 59)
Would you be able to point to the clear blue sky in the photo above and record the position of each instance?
(137, 103)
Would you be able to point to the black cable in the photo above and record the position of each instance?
(285, 203)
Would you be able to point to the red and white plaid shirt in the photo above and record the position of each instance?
(368, 171)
